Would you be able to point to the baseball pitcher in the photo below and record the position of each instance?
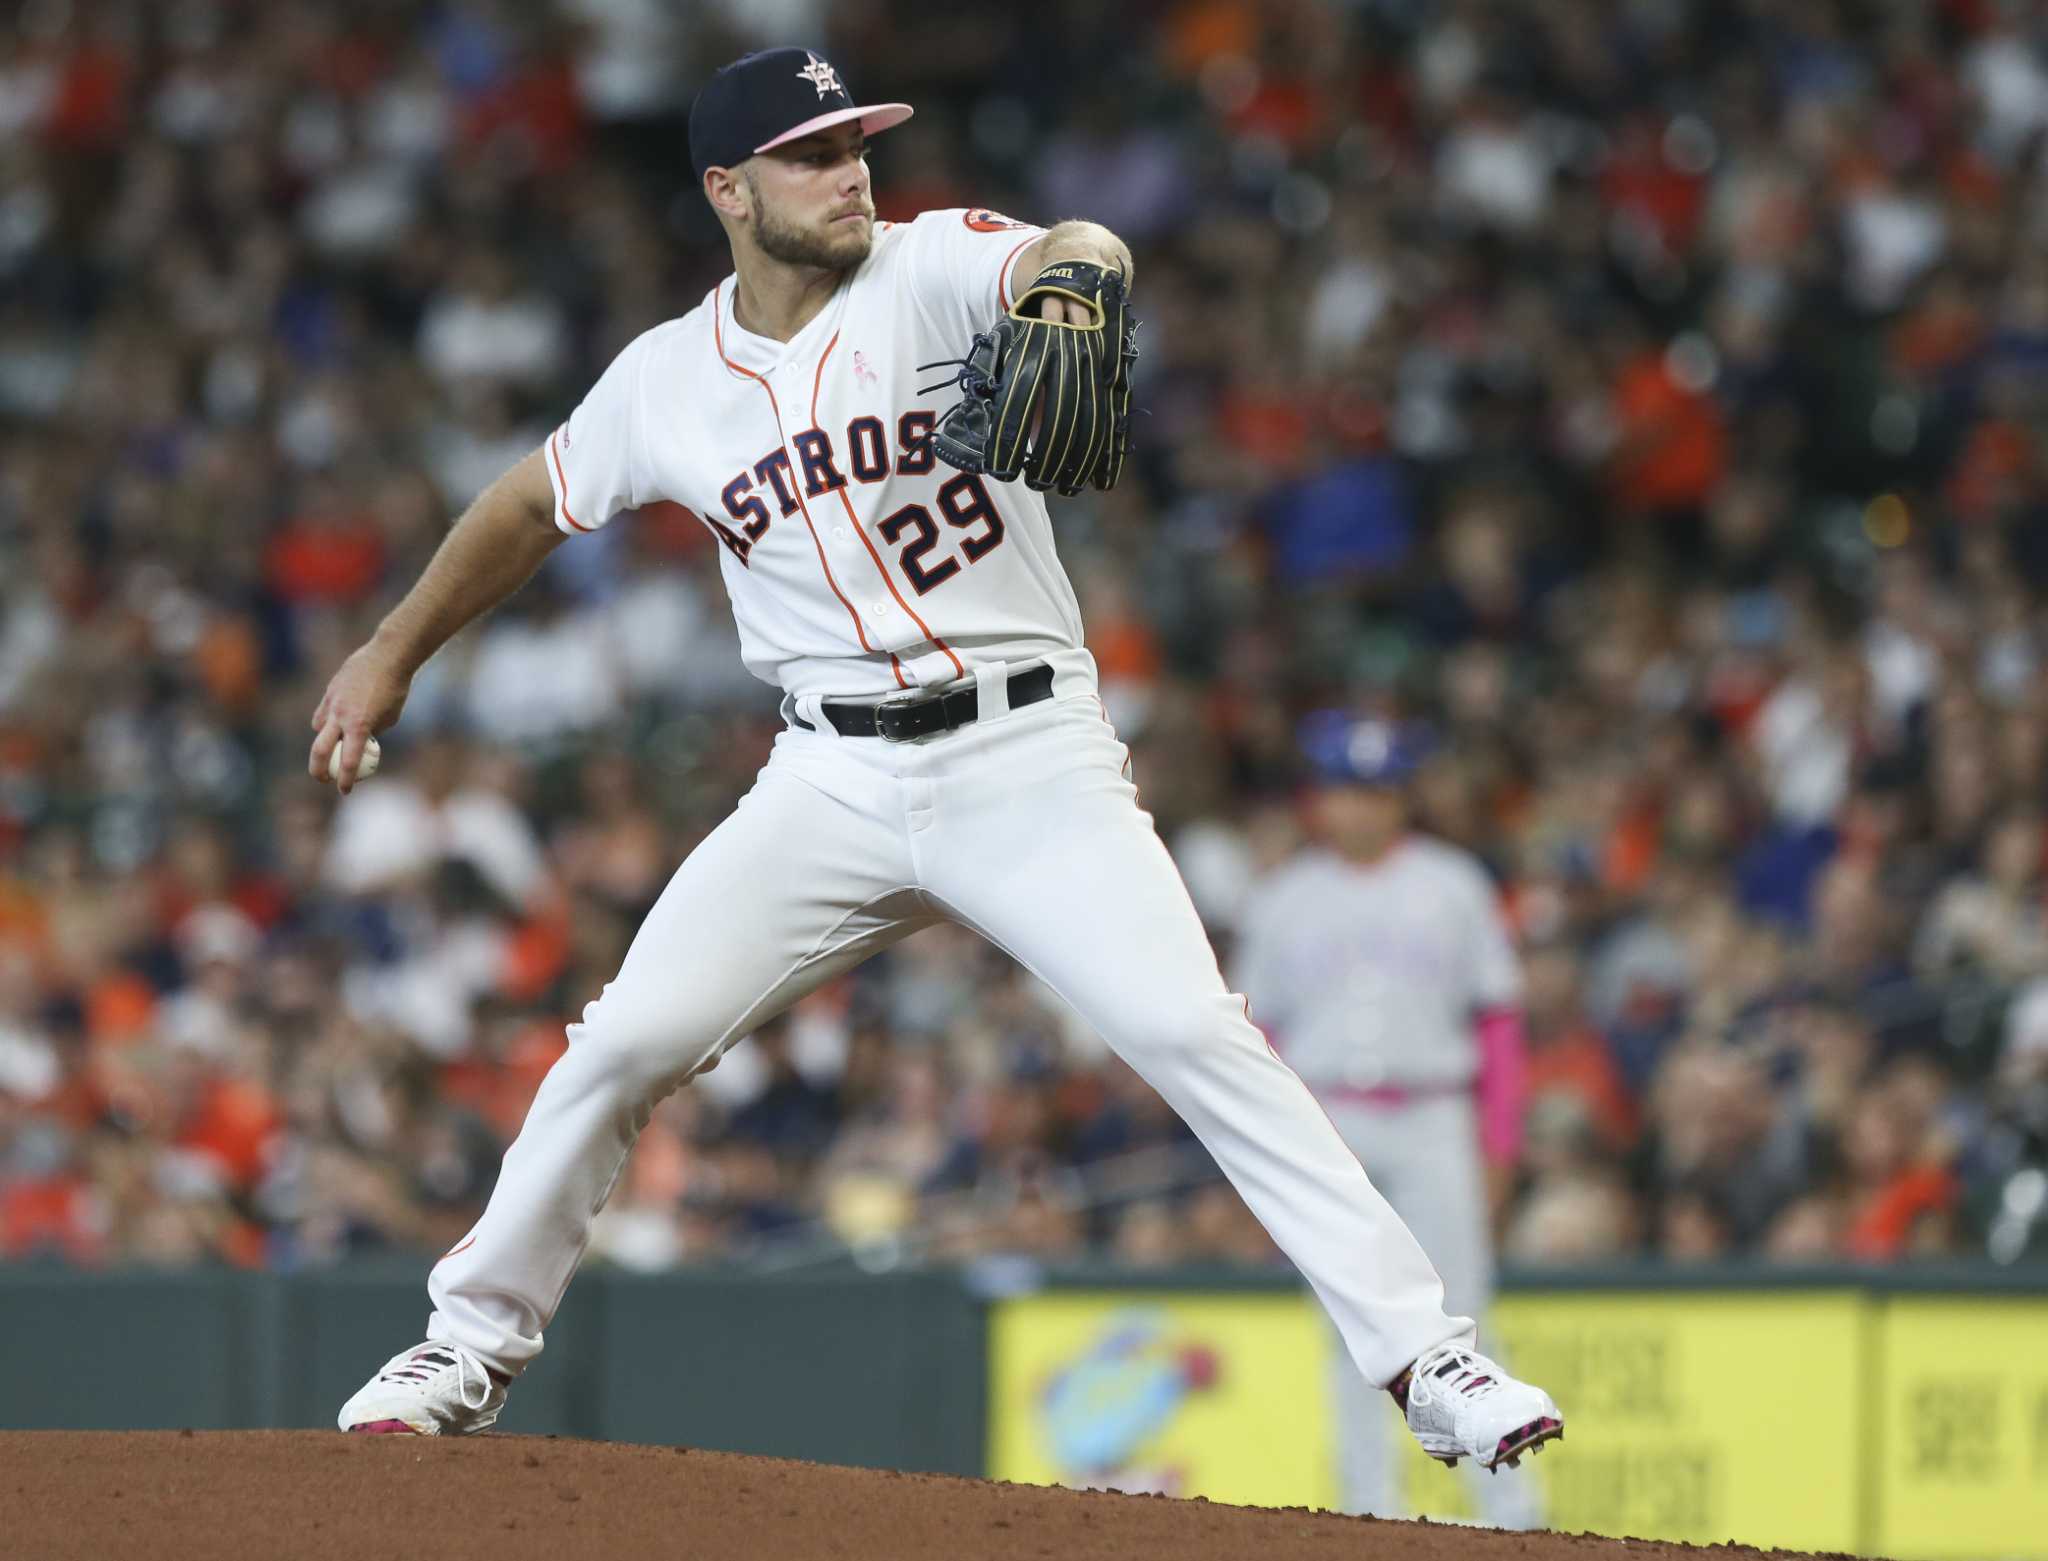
(945, 755)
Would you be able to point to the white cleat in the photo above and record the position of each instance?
(432, 1389)
(1462, 1405)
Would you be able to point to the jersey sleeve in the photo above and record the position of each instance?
(966, 265)
(594, 460)
(1496, 973)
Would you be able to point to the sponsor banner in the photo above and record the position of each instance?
(1704, 1417)
(1820, 1420)
(1961, 1448)
(1223, 1396)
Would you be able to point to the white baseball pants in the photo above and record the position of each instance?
(1024, 827)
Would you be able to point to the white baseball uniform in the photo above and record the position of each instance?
(1369, 977)
(860, 567)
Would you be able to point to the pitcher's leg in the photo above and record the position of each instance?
(1059, 867)
(789, 890)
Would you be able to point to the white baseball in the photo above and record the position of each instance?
(372, 754)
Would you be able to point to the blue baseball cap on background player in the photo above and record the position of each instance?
(1344, 749)
(761, 100)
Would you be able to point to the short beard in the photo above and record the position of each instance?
(794, 247)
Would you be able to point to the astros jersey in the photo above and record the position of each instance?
(1370, 975)
(859, 564)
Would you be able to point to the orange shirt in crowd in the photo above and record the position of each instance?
(1882, 1225)
(500, 1091)
(1578, 1064)
(51, 1214)
(1673, 446)
(235, 1124)
(324, 561)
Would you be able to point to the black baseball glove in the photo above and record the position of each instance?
(1046, 399)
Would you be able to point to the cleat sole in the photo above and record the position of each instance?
(383, 1428)
(1527, 1439)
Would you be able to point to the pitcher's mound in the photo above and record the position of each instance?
(174, 1495)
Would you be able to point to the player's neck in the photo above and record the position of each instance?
(776, 300)
(1368, 853)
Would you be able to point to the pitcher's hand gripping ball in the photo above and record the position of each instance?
(1045, 399)
(373, 755)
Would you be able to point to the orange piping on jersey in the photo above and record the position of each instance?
(881, 568)
(1003, 276)
(557, 456)
(718, 339)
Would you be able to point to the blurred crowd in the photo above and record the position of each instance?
(1651, 394)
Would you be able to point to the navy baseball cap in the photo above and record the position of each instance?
(1343, 749)
(762, 100)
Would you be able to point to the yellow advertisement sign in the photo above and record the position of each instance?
(1223, 1396)
(1809, 1420)
(1702, 1417)
(1963, 1430)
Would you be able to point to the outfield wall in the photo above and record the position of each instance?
(848, 1368)
(1886, 1413)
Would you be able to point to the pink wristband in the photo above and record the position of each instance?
(1503, 1083)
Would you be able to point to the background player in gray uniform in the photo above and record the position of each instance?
(1379, 965)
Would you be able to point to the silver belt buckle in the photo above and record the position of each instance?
(896, 701)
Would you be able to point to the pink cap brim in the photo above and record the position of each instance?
(877, 117)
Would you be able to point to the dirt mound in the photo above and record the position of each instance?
(168, 1495)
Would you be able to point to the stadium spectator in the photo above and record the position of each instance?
(1653, 397)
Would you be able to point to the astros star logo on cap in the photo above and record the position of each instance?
(821, 76)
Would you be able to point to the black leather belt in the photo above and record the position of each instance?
(899, 720)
